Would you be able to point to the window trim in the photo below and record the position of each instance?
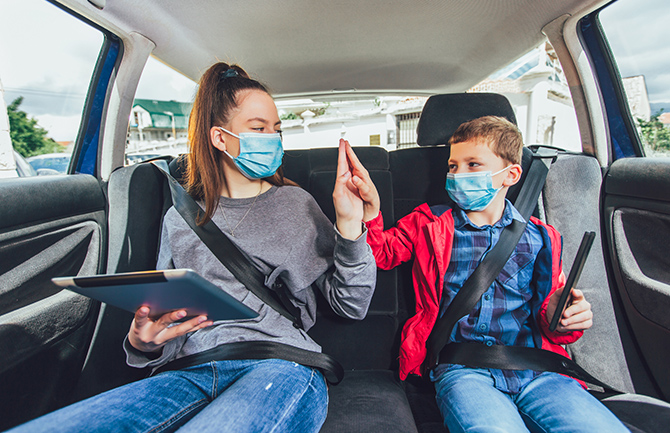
(624, 141)
(84, 157)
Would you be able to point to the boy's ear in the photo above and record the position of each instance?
(218, 138)
(513, 175)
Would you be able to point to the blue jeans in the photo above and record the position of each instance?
(549, 403)
(223, 396)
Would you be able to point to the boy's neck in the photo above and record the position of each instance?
(493, 212)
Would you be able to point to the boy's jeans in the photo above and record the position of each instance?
(549, 403)
(224, 396)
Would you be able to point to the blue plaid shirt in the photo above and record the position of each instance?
(506, 312)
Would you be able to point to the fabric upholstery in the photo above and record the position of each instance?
(137, 201)
(368, 402)
(570, 196)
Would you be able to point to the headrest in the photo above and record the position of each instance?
(443, 114)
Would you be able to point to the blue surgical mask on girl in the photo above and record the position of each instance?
(472, 191)
(260, 154)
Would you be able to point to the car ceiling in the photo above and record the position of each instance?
(310, 47)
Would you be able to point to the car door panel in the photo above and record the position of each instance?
(49, 226)
(636, 207)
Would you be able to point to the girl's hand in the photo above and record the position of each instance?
(346, 198)
(354, 179)
(576, 317)
(148, 335)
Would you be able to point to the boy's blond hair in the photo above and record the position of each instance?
(500, 135)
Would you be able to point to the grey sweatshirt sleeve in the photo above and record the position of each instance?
(343, 270)
(349, 284)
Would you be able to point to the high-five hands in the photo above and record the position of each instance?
(355, 196)
(149, 335)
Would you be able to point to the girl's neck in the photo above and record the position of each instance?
(236, 185)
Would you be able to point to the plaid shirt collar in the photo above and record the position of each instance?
(510, 213)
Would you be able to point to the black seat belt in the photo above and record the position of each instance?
(254, 280)
(500, 357)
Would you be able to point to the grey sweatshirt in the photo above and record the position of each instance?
(285, 234)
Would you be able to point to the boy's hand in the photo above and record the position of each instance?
(148, 335)
(576, 317)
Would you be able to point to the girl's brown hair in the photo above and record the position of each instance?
(217, 97)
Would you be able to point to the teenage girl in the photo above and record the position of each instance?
(234, 171)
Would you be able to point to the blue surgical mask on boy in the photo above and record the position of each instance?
(472, 191)
(260, 154)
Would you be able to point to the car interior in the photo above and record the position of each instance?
(105, 216)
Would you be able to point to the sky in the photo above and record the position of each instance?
(52, 73)
(636, 31)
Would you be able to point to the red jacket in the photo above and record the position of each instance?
(427, 239)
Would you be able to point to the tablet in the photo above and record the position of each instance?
(573, 277)
(162, 291)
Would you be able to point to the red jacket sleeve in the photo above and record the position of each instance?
(396, 245)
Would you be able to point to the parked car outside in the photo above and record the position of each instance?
(58, 162)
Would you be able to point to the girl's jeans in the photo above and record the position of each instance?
(549, 403)
(223, 396)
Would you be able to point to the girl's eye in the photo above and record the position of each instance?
(258, 129)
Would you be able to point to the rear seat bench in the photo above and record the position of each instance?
(371, 398)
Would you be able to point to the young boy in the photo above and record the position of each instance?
(447, 244)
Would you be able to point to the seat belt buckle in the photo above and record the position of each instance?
(431, 361)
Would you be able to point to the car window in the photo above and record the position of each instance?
(47, 59)
(387, 121)
(643, 62)
(534, 83)
(159, 117)
(540, 95)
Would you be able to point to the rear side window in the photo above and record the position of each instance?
(636, 33)
(537, 88)
(158, 123)
(47, 59)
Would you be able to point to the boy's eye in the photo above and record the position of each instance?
(473, 164)
(452, 167)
